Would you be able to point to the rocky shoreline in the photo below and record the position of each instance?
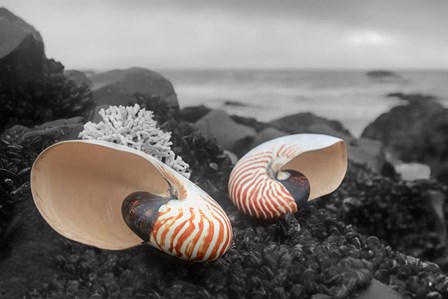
(377, 236)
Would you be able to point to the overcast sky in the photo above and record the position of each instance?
(87, 34)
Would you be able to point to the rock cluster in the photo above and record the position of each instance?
(240, 134)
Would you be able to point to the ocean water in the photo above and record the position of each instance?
(351, 97)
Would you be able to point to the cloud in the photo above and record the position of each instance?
(240, 34)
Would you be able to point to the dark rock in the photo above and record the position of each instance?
(301, 122)
(322, 128)
(229, 134)
(415, 132)
(266, 135)
(435, 145)
(250, 122)
(78, 77)
(400, 129)
(22, 55)
(194, 113)
(118, 87)
(368, 152)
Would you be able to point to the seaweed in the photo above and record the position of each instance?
(395, 211)
(296, 257)
(14, 171)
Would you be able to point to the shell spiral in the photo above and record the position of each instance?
(260, 183)
(79, 188)
(192, 226)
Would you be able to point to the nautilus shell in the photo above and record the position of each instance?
(281, 175)
(114, 197)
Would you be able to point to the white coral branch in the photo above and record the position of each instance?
(136, 128)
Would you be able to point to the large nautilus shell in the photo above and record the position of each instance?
(115, 197)
(281, 175)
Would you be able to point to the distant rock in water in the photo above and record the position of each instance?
(234, 103)
(415, 132)
(412, 96)
(22, 55)
(382, 74)
(117, 87)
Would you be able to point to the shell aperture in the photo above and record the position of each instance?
(279, 176)
(297, 184)
(140, 211)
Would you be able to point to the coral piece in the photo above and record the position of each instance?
(135, 127)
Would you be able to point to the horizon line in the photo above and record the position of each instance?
(272, 69)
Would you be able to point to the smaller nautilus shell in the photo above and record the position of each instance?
(114, 197)
(281, 175)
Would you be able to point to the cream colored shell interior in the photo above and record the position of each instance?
(325, 168)
(79, 187)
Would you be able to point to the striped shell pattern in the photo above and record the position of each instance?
(99, 193)
(191, 226)
(281, 175)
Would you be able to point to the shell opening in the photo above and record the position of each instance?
(298, 186)
(140, 211)
(325, 168)
(79, 188)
